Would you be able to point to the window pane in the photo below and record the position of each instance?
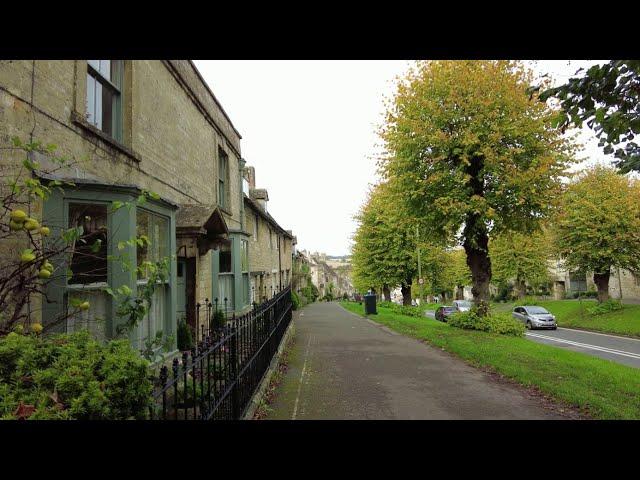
(153, 321)
(95, 64)
(93, 319)
(116, 73)
(225, 259)
(244, 258)
(143, 227)
(105, 68)
(221, 193)
(98, 112)
(107, 110)
(156, 229)
(225, 290)
(89, 259)
(91, 99)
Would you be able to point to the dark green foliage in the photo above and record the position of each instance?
(605, 307)
(185, 339)
(72, 376)
(502, 323)
(295, 300)
(606, 97)
(403, 309)
(218, 320)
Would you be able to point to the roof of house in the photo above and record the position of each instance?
(264, 214)
(205, 218)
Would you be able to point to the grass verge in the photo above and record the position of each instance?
(573, 314)
(598, 388)
(264, 407)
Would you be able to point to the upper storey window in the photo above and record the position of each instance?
(104, 96)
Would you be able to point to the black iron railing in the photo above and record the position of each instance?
(218, 377)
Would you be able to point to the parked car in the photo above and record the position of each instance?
(462, 305)
(443, 312)
(535, 317)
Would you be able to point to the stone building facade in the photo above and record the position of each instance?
(271, 248)
(135, 126)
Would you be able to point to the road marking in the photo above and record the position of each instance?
(598, 333)
(586, 345)
(304, 369)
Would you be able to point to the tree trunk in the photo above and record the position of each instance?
(406, 294)
(478, 259)
(602, 282)
(476, 239)
(460, 292)
(522, 288)
(386, 292)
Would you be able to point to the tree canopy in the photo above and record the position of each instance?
(384, 244)
(521, 258)
(473, 153)
(598, 226)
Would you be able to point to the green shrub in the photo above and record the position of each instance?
(502, 323)
(185, 339)
(589, 294)
(402, 309)
(295, 300)
(72, 376)
(218, 320)
(605, 307)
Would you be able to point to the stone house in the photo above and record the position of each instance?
(623, 284)
(135, 126)
(271, 247)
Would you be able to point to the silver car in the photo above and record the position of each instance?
(535, 317)
(462, 305)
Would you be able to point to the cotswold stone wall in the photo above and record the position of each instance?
(172, 129)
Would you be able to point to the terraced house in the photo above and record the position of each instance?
(135, 126)
(271, 247)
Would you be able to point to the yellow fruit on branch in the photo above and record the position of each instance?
(47, 266)
(18, 216)
(44, 231)
(31, 224)
(84, 306)
(44, 273)
(27, 256)
(15, 226)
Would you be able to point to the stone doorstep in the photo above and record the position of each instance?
(266, 379)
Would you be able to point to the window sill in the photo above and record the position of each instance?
(78, 120)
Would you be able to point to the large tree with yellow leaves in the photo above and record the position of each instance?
(473, 154)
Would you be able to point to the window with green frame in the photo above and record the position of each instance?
(156, 229)
(104, 96)
(88, 268)
(226, 278)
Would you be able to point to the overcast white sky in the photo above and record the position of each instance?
(309, 129)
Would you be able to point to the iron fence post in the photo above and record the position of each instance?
(235, 403)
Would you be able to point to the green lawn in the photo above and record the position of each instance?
(573, 314)
(599, 388)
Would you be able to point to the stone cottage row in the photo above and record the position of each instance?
(135, 126)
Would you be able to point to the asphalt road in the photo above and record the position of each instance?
(610, 347)
(344, 367)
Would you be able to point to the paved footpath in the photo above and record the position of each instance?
(346, 367)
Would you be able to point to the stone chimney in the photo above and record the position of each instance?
(250, 175)
(260, 196)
